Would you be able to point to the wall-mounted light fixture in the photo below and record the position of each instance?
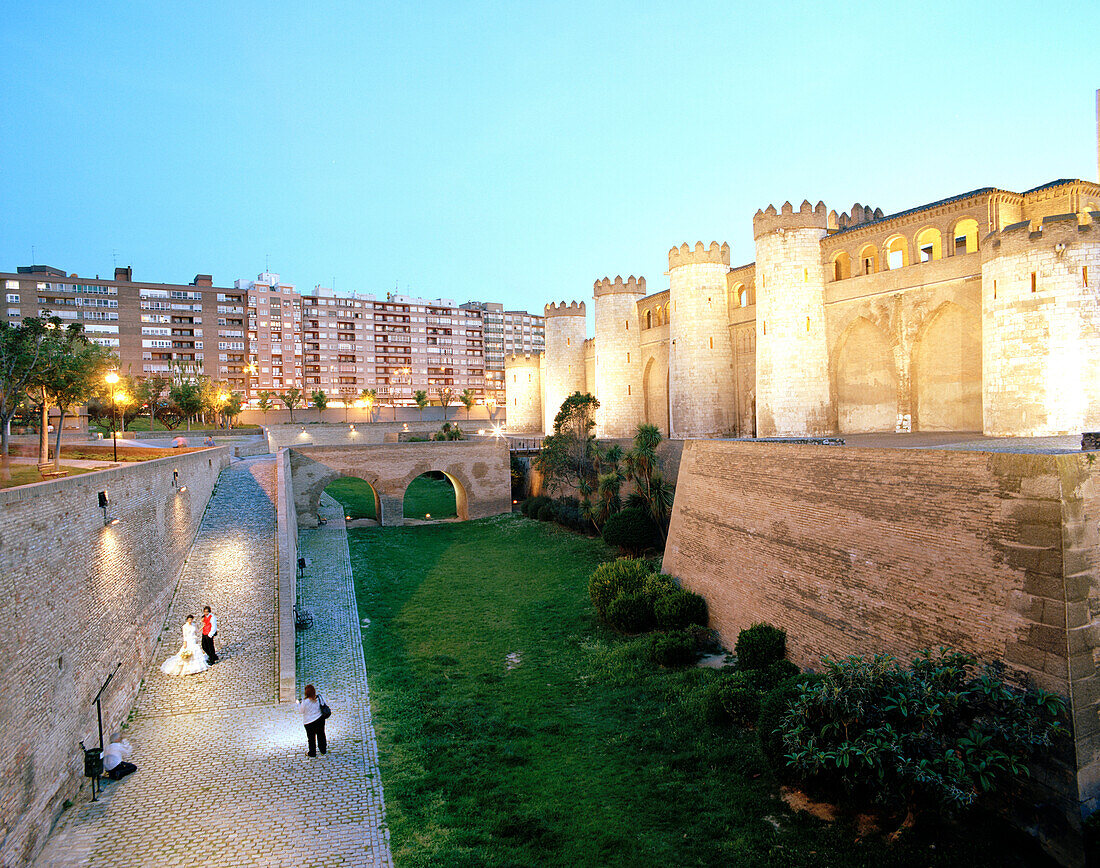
(176, 482)
(104, 502)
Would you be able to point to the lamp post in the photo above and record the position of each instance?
(112, 380)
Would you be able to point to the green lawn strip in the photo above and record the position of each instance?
(424, 496)
(25, 474)
(582, 753)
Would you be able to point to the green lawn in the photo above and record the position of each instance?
(515, 730)
(424, 496)
(25, 474)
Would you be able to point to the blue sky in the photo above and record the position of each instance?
(512, 152)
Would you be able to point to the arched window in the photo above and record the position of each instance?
(966, 236)
(657, 320)
(647, 318)
(929, 245)
(842, 266)
(868, 259)
(744, 297)
(897, 252)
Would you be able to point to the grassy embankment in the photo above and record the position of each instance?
(514, 729)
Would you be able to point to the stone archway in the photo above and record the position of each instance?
(478, 470)
(866, 380)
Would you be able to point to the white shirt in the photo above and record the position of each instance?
(115, 752)
(311, 710)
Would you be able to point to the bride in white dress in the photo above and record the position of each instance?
(190, 659)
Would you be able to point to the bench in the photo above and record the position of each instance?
(47, 471)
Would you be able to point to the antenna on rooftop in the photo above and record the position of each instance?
(32, 254)
(267, 262)
(114, 256)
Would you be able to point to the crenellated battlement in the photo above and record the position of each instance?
(574, 308)
(632, 285)
(522, 360)
(1049, 231)
(806, 217)
(684, 255)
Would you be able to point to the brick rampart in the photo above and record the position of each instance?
(857, 551)
(287, 540)
(80, 600)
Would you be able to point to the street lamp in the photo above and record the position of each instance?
(112, 380)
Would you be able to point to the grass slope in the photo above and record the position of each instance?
(515, 730)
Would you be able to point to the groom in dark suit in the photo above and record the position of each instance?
(209, 631)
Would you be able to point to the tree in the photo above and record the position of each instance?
(232, 408)
(642, 467)
(468, 399)
(569, 454)
(347, 395)
(264, 402)
(292, 398)
(421, 398)
(370, 397)
(491, 407)
(446, 397)
(150, 392)
(320, 401)
(186, 395)
(76, 378)
(51, 359)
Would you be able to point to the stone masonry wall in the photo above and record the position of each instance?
(563, 368)
(618, 385)
(523, 387)
(857, 551)
(79, 599)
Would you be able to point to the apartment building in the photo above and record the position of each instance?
(506, 332)
(263, 335)
(153, 327)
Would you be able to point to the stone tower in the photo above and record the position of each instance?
(792, 360)
(618, 356)
(523, 387)
(1041, 327)
(563, 362)
(702, 397)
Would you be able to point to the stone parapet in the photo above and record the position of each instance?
(632, 285)
(718, 254)
(806, 217)
(574, 308)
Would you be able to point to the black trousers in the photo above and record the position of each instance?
(121, 770)
(315, 733)
(208, 648)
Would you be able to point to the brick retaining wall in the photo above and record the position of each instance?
(78, 599)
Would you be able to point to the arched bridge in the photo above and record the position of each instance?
(478, 469)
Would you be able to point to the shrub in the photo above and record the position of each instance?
(774, 706)
(679, 608)
(741, 701)
(631, 529)
(546, 512)
(675, 648)
(615, 578)
(939, 734)
(760, 646)
(567, 512)
(658, 584)
(532, 505)
(631, 613)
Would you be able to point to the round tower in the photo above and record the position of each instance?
(1041, 327)
(792, 358)
(618, 356)
(523, 388)
(565, 330)
(702, 396)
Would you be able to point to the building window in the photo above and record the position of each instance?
(1033, 281)
(13, 298)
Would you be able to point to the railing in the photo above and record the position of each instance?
(524, 444)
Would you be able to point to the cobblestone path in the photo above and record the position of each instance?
(223, 779)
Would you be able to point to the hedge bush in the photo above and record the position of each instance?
(546, 512)
(675, 648)
(532, 505)
(632, 530)
(774, 707)
(631, 613)
(567, 512)
(615, 578)
(760, 646)
(678, 608)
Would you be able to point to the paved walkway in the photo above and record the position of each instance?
(222, 777)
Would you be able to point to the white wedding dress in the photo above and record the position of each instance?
(190, 659)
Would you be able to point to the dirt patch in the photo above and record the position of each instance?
(798, 801)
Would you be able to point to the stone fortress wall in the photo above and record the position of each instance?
(857, 322)
(82, 597)
(523, 374)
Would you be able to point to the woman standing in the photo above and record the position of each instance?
(189, 660)
(314, 721)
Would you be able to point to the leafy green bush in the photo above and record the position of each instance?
(532, 505)
(760, 646)
(940, 734)
(546, 512)
(615, 578)
(774, 707)
(631, 613)
(741, 702)
(658, 584)
(675, 648)
(679, 608)
(567, 512)
(632, 530)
